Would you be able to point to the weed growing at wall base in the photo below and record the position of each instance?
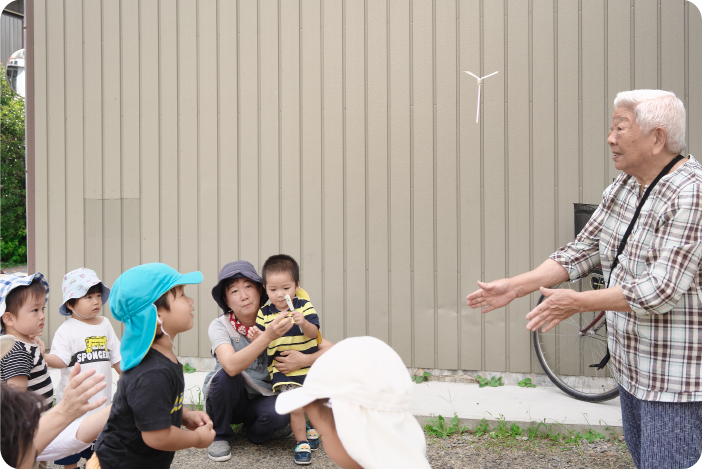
(439, 428)
(502, 431)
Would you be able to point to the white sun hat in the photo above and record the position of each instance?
(76, 284)
(370, 392)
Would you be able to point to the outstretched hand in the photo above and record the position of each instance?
(492, 295)
(558, 305)
(79, 389)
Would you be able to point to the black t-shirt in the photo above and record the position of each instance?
(149, 397)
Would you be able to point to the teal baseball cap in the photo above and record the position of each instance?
(132, 302)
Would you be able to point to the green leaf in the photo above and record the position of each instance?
(188, 369)
(427, 374)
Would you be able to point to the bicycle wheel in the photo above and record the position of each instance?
(567, 351)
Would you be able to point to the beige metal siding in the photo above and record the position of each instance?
(343, 133)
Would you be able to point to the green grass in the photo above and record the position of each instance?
(504, 434)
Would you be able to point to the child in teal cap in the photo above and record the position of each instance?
(147, 411)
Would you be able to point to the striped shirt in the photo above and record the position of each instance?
(294, 339)
(26, 360)
(657, 348)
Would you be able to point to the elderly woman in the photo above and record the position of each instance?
(239, 389)
(654, 297)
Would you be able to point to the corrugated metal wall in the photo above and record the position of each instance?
(12, 36)
(343, 133)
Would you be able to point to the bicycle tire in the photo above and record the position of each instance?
(597, 388)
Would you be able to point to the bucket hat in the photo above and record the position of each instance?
(370, 393)
(132, 302)
(76, 284)
(237, 269)
(12, 281)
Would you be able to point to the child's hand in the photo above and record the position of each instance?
(298, 317)
(253, 333)
(195, 419)
(40, 343)
(206, 435)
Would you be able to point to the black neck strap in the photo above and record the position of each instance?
(622, 243)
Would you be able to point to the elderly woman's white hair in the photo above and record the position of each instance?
(657, 108)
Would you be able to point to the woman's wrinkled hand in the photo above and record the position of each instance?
(558, 305)
(492, 295)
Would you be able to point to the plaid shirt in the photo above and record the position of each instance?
(657, 348)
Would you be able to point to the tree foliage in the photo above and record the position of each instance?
(13, 207)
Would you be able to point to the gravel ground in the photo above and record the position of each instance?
(456, 452)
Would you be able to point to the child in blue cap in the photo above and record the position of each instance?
(143, 429)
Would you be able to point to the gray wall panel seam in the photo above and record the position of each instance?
(302, 128)
(434, 192)
(388, 145)
(686, 55)
(505, 122)
(482, 183)
(102, 141)
(531, 157)
(411, 142)
(219, 147)
(606, 83)
(580, 102)
(238, 129)
(365, 127)
(323, 205)
(556, 205)
(160, 136)
(197, 169)
(258, 130)
(280, 128)
(343, 159)
(459, 251)
(141, 201)
(65, 144)
(659, 33)
(632, 45)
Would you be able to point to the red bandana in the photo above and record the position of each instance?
(239, 327)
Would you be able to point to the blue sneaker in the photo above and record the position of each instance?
(303, 453)
(313, 438)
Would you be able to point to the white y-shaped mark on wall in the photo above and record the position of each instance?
(480, 84)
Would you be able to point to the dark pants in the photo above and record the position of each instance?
(87, 453)
(661, 434)
(228, 403)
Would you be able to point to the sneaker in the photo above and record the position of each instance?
(219, 451)
(281, 433)
(303, 453)
(313, 438)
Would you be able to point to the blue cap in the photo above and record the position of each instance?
(132, 302)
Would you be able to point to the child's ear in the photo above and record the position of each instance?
(7, 318)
